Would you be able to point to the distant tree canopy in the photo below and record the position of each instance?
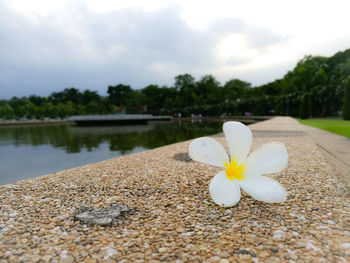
(305, 106)
(346, 105)
(315, 87)
(119, 94)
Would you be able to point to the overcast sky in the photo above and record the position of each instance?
(48, 45)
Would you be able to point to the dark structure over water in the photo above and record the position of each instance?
(116, 119)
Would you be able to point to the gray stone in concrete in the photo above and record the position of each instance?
(102, 216)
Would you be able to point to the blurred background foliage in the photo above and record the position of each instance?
(318, 81)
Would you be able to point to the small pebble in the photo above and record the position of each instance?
(162, 250)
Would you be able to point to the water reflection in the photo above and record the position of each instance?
(37, 150)
(120, 138)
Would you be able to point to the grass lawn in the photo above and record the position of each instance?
(337, 126)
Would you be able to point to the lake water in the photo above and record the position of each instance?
(37, 150)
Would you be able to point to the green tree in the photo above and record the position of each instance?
(81, 109)
(185, 86)
(235, 89)
(31, 110)
(50, 110)
(37, 100)
(94, 107)
(89, 96)
(308, 73)
(68, 94)
(19, 111)
(346, 105)
(6, 112)
(279, 109)
(39, 113)
(305, 106)
(155, 97)
(70, 108)
(208, 91)
(61, 110)
(119, 94)
(137, 102)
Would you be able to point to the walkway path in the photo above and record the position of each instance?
(336, 149)
(173, 218)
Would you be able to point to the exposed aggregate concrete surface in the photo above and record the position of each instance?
(173, 218)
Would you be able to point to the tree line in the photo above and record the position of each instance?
(315, 87)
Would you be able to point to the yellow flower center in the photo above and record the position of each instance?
(233, 171)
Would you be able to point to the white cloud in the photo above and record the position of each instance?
(235, 47)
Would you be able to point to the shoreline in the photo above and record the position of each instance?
(11, 123)
(247, 119)
(173, 217)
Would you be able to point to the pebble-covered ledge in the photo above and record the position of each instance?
(155, 206)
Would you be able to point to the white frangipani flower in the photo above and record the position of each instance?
(241, 171)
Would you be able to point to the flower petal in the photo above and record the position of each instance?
(223, 191)
(208, 151)
(239, 140)
(264, 189)
(270, 158)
